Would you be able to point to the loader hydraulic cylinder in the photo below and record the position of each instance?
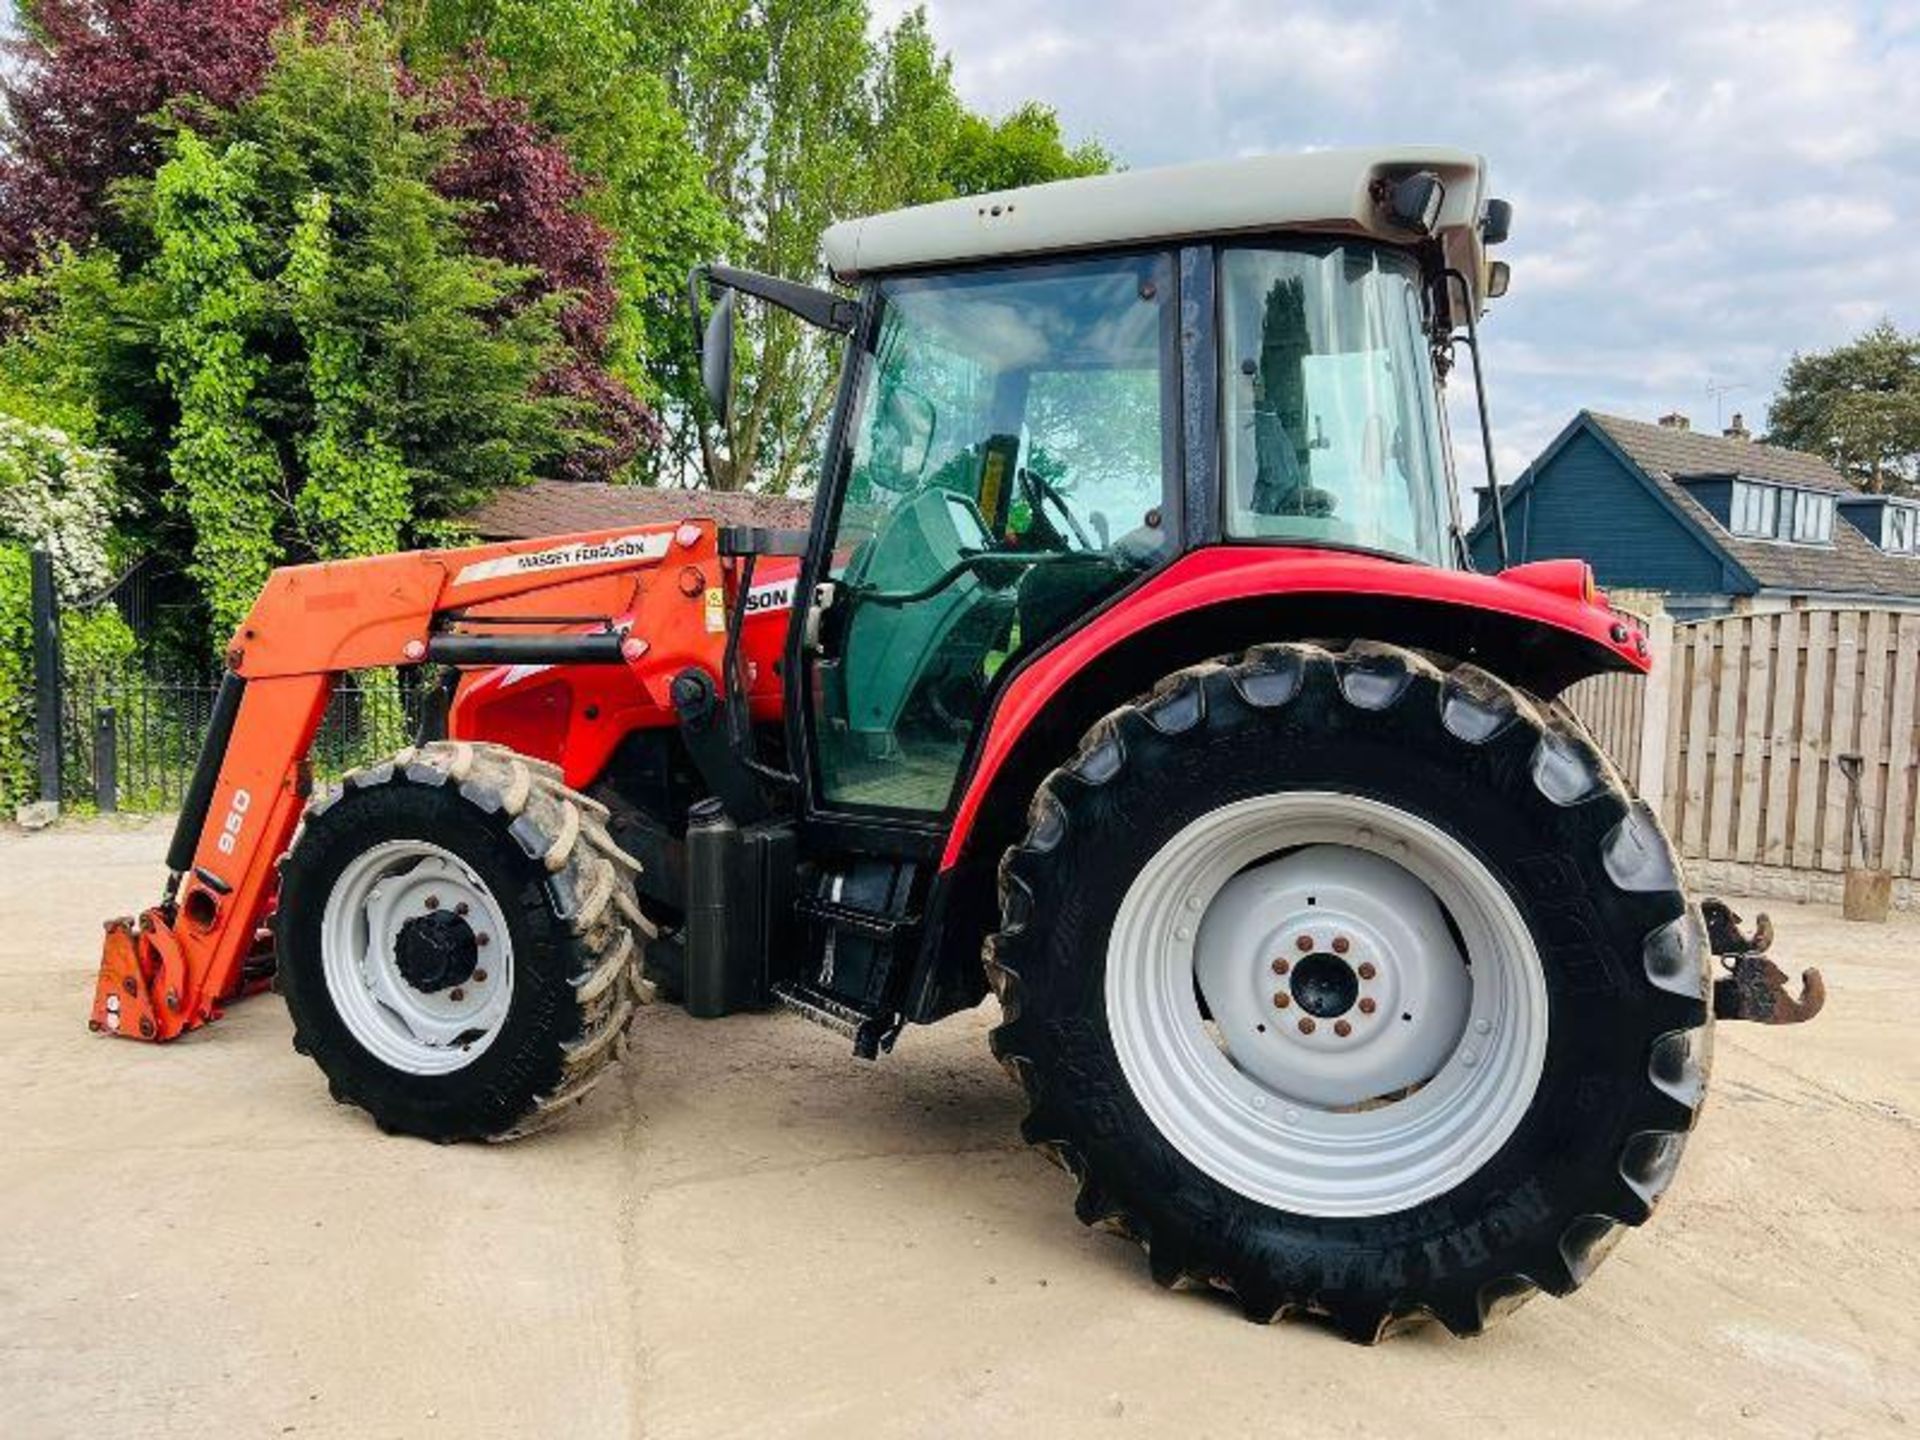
(206, 774)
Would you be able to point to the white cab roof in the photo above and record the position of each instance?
(1326, 191)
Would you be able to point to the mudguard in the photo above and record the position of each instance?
(1545, 621)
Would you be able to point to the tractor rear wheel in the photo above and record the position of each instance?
(458, 942)
(1353, 985)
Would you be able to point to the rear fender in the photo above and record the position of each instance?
(1539, 626)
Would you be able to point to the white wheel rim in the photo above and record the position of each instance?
(1379, 1118)
(417, 1030)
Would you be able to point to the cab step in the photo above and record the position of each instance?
(871, 1035)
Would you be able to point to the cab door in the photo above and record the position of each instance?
(1005, 465)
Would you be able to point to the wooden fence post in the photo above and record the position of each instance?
(1656, 697)
(46, 676)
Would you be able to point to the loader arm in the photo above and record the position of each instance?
(608, 597)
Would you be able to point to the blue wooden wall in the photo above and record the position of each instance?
(1584, 503)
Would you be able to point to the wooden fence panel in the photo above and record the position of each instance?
(1736, 739)
(1783, 705)
(1903, 745)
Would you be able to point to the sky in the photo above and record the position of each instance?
(1700, 187)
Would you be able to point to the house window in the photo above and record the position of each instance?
(1898, 528)
(1812, 518)
(1755, 509)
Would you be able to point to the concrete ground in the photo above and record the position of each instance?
(748, 1233)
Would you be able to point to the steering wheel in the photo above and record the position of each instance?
(1041, 491)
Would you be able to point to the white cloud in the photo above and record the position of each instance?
(1700, 189)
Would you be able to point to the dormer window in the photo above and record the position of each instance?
(1900, 529)
(1756, 510)
(1812, 518)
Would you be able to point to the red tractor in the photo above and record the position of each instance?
(1134, 651)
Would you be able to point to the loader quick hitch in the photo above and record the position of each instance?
(1754, 988)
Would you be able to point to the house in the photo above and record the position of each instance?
(565, 507)
(1714, 523)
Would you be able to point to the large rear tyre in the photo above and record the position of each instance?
(1353, 986)
(458, 942)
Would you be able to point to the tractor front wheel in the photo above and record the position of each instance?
(1354, 986)
(458, 942)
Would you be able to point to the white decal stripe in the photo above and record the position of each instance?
(569, 557)
(774, 595)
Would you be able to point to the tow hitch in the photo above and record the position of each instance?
(1754, 988)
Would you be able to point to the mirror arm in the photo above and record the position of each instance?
(821, 308)
(1486, 428)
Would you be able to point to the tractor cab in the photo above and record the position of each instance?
(1051, 396)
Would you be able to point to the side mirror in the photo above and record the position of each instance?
(1496, 222)
(716, 356)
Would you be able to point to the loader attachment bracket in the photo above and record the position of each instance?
(1754, 988)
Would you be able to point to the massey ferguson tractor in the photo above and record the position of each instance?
(1134, 667)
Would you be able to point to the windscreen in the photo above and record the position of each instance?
(1331, 421)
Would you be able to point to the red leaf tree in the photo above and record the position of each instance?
(85, 85)
(82, 87)
(527, 202)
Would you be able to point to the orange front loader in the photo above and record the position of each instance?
(649, 599)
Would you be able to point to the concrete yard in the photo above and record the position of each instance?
(747, 1233)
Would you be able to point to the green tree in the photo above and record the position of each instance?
(297, 353)
(221, 460)
(1023, 148)
(1858, 406)
(581, 68)
(356, 500)
(804, 120)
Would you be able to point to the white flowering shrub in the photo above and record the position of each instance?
(57, 495)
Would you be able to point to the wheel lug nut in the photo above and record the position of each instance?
(1306, 1025)
(461, 908)
(1366, 970)
(456, 993)
(1303, 944)
(1367, 1005)
(1342, 1029)
(1341, 944)
(1282, 965)
(479, 977)
(1281, 1000)
(481, 940)
(433, 902)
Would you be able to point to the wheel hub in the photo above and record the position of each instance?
(1324, 985)
(436, 951)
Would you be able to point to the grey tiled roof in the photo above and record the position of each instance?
(563, 507)
(1852, 565)
(1688, 452)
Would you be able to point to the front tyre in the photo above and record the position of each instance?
(1353, 986)
(458, 942)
